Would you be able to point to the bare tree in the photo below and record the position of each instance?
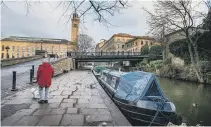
(98, 10)
(85, 43)
(172, 15)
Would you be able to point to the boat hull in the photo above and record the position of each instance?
(136, 115)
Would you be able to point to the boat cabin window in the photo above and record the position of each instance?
(109, 78)
(117, 83)
(153, 90)
(113, 82)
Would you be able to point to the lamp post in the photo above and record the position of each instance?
(41, 44)
(52, 49)
(7, 48)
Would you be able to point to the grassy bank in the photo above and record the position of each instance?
(167, 70)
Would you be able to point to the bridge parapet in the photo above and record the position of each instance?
(100, 54)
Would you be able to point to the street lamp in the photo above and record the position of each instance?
(52, 49)
(41, 43)
(7, 48)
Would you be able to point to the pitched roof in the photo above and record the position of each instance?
(123, 35)
(34, 39)
(140, 37)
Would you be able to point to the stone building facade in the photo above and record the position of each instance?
(122, 42)
(116, 43)
(17, 47)
(136, 44)
(26, 46)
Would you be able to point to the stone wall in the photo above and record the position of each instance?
(176, 61)
(62, 65)
(13, 61)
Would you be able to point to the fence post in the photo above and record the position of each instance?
(14, 82)
(31, 71)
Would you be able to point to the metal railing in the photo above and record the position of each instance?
(91, 54)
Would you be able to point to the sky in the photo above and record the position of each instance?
(43, 20)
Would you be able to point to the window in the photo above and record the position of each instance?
(123, 46)
(2, 55)
(146, 42)
(13, 48)
(118, 40)
(133, 44)
(23, 49)
(13, 55)
(136, 43)
(18, 49)
(117, 82)
(17, 55)
(113, 82)
(117, 45)
(142, 42)
(28, 49)
(2, 48)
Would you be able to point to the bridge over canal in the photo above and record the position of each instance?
(133, 57)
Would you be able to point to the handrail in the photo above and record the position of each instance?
(84, 54)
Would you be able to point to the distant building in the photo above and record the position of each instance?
(99, 46)
(138, 42)
(25, 46)
(116, 43)
(173, 37)
(123, 42)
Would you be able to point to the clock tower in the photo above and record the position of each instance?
(75, 27)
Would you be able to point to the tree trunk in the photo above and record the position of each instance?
(200, 77)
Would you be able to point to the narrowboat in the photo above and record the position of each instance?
(140, 98)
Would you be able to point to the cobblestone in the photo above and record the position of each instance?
(69, 100)
(73, 103)
(50, 120)
(28, 121)
(72, 111)
(72, 120)
(66, 105)
(98, 117)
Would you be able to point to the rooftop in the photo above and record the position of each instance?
(140, 37)
(35, 39)
(123, 35)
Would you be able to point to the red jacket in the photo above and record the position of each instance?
(44, 75)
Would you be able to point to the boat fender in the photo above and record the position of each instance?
(176, 119)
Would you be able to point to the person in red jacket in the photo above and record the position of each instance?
(44, 74)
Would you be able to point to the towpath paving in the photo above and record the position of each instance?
(76, 99)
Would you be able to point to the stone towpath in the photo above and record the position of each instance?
(72, 103)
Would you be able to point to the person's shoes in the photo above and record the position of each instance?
(41, 102)
(46, 101)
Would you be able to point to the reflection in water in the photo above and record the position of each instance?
(192, 100)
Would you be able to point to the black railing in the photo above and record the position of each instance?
(84, 54)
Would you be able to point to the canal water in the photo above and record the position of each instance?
(192, 100)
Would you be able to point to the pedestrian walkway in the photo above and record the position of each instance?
(76, 99)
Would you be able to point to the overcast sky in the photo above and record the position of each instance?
(43, 21)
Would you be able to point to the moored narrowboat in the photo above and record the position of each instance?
(140, 98)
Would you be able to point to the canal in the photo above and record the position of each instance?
(192, 100)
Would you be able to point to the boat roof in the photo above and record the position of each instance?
(134, 86)
(114, 73)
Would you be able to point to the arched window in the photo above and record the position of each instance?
(2, 48)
